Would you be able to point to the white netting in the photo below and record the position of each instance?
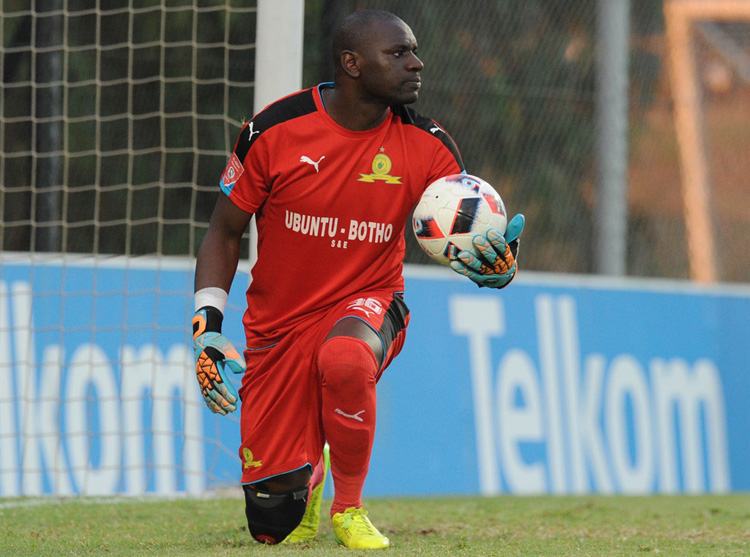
(116, 119)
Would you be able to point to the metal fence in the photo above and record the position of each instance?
(117, 119)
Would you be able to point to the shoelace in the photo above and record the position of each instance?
(362, 526)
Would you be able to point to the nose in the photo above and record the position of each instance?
(415, 63)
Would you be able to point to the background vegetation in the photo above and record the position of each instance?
(154, 94)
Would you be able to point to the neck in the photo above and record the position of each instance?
(351, 112)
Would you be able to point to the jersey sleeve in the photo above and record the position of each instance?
(447, 158)
(245, 179)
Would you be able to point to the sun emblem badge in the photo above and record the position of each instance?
(381, 166)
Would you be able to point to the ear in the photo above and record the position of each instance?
(350, 63)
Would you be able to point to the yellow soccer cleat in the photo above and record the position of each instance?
(354, 530)
(308, 528)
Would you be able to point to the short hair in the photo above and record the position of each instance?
(353, 29)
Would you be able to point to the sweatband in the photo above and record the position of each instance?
(211, 296)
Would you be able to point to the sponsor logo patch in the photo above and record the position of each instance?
(231, 174)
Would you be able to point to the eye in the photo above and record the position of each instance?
(399, 53)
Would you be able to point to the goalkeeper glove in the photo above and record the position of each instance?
(494, 263)
(213, 355)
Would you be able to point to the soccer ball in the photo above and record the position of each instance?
(453, 210)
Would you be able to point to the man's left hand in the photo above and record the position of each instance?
(214, 355)
(493, 263)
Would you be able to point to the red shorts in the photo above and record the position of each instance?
(280, 414)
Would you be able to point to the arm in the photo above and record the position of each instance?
(215, 268)
(219, 253)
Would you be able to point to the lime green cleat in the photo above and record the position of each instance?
(308, 528)
(354, 530)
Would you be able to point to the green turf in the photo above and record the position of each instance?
(675, 525)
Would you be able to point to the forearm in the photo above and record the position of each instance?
(214, 270)
(217, 261)
(220, 251)
(214, 353)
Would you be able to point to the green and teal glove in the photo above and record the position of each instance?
(493, 263)
(214, 354)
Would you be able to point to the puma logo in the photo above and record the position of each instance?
(351, 416)
(251, 132)
(308, 160)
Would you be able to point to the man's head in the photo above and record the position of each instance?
(375, 51)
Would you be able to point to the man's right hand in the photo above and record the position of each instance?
(213, 355)
(493, 261)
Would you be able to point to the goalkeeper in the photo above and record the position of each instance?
(331, 174)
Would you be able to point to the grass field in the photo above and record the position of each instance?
(674, 525)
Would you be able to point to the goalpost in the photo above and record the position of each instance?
(276, 18)
(681, 16)
(123, 115)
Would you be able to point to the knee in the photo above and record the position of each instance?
(272, 516)
(346, 363)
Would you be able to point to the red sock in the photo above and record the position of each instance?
(318, 471)
(316, 478)
(348, 369)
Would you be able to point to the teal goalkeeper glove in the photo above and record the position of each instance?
(213, 355)
(494, 262)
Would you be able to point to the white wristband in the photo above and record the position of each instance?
(211, 296)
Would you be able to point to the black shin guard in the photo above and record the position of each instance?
(271, 517)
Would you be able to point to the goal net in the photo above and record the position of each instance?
(117, 118)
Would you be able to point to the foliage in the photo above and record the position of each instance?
(154, 100)
(514, 83)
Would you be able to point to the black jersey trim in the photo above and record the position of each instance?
(394, 322)
(411, 117)
(294, 106)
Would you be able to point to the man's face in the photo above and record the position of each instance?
(390, 69)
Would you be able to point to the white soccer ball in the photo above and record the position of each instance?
(453, 210)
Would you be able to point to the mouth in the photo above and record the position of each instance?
(414, 84)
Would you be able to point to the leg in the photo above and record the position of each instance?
(282, 439)
(273, 506)
(285, 482)
(348, 363)
(356, 328)
(307, 530)
(362, 343)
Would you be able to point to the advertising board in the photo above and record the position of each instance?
(555, 385)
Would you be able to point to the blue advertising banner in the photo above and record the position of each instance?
(99, 397)
(557, 384)
(567, 385)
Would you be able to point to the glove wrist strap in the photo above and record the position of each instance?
(207, 319)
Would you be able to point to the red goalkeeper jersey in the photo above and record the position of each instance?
(331, 204)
